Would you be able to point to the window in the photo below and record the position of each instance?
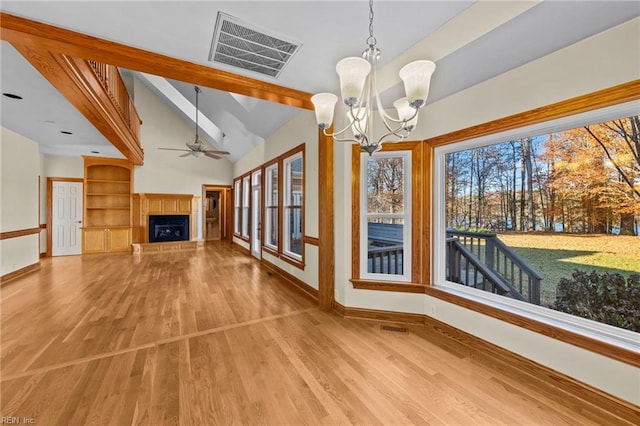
(292, 205)
(387, 208)
(271, 206)
(385, 218)
(534, 219)
(246, 197)
(237, 206)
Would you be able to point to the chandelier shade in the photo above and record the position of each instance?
(360, 94)
(353, 73)
(324, 104)
(416, 77)
(406, 113)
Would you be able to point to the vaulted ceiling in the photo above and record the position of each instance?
(470, 42)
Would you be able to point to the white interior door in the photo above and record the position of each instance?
(256, 221)
(66, 220)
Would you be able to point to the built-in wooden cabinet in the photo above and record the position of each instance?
(107, 205)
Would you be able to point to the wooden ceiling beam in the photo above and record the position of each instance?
(27, 32)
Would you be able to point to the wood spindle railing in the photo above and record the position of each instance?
(112, 82)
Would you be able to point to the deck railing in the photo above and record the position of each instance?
(496, 257)
(386, 260)
(112, 82)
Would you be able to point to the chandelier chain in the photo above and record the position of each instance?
(371, 41)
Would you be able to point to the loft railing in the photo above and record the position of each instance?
(112, 82)
(495, 256)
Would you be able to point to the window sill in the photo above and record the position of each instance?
(290, 260)
(271, 250)
(402, 287)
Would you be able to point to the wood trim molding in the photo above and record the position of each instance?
(43, 226)
(399, 287)
(594, 345)
(19, 233)
(56, 39)
(326, 236)
(384, 316)
(568, 389)
(602, 98)
(291, 261)
(19, 273)
(293, 281)
(49, 225)
(417, 200)
(311, 240)
(223, 219)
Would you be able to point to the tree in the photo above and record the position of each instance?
(620, 141)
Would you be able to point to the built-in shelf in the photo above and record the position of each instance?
(107, 205)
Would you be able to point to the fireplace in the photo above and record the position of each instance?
(168, 228)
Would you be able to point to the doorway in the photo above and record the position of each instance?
(65, 202)
(212, 215)
(215, 215)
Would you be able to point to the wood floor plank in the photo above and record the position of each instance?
(210, 337)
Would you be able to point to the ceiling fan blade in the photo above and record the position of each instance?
(174, 149)
(217, 152)
(211, 155)
(185, 155)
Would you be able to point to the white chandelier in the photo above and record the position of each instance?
(358, 87)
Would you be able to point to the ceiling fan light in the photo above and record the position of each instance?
(406, 112)
(353, 72)
(417, 77)
(324, 105)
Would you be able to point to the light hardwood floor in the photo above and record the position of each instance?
(210, 337)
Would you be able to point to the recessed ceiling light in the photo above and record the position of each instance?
(65, 132)
(12, 96)
(95, 152)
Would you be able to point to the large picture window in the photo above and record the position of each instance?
(292, 205)
(547, 216)
(271, 206)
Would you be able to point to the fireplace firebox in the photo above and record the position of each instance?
(168, 228)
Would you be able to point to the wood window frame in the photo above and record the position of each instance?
(280, 253)
(418, 252)
(611, 96)
(284, 255)
(245, 221)
(237, 198)
(239, 215)
(274, 251)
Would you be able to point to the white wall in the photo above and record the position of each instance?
(301, 129)
(67, 167)
(570, 72)
(163, 171)
(19, 180)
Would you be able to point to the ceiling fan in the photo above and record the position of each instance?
(197, 147)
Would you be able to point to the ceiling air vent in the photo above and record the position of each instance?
(237, 44)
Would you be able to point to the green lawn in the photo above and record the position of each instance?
(556, 256)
